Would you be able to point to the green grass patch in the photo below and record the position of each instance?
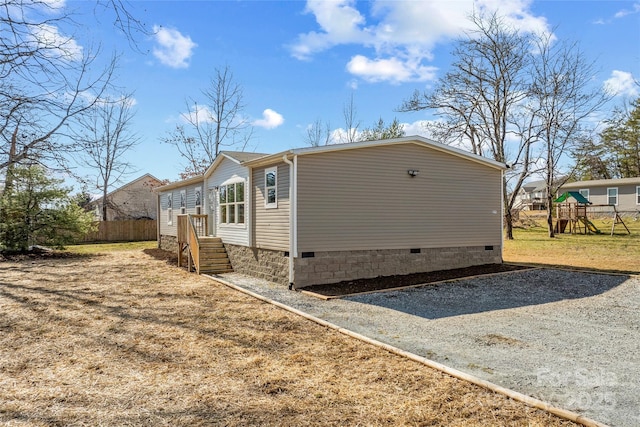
(97, 248)
(617, 253)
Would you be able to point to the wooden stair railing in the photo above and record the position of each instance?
(207, 254)
(194, 247)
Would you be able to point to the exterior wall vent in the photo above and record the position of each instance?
(415, 251)
(308, 254)
(488, 248)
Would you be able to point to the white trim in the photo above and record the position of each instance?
(233, 180)
(233, 224)
(183, 198)
(502, 215)
(588, 193)
(294, 207)
(169, 208)
(617, 195)
(292, 216)
(198, 206)
(212, 209)
(273, 204)
(248, 207)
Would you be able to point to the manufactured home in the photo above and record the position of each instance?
(622, 193)
(327, 214)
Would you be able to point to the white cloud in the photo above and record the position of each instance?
(339, 22)
(173, 49)
(48, 38)
(394, 70)
(53, 5)
(625, 12)
(401, 34)
(417, 128)
(270, 119)
(621, 83)
(197, 114)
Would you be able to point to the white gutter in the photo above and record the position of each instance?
(158, 219)
(293, 216)
(502, 173)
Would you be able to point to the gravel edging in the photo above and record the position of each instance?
(567, 338)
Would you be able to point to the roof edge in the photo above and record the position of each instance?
(128, 184)
(177, 184)
(415, 139)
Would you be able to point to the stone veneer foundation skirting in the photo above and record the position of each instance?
(331, 267)
(318, 268)
(168, 243)
(262, 263)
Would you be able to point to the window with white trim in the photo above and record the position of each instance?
(271, 188)
(169, 209)
(638, 195)
(198, 196)
(612, 196)
(183, 202)
(232, 206)
(584, 193)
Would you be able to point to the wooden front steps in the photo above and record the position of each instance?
(213, 256)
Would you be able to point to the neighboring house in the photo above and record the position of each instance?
(134, 200)
(623, 193)
(532, 196)
(346, 211)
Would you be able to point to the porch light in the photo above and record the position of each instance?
(413, 172)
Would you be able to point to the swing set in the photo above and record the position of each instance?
(571, 212)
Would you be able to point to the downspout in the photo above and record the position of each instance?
(158, 215)
(293, 216)
(502, 173)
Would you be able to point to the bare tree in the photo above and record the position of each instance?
(318, 133)
(561, 98)
(105, 137)
(351, 122)
(480, 100)
(217, 123)
(46, 81)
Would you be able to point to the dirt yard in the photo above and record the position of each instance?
(128, 339)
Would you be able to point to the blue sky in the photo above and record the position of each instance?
(301, 61)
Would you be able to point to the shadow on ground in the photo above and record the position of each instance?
(513, 290)
(160, 254)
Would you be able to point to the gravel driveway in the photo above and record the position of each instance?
(569, 338)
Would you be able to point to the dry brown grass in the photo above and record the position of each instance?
(125, 339)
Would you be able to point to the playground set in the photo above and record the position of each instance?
(571, 212)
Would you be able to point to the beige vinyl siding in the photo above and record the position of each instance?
(226, 171)
(271, 226)
(365, 199)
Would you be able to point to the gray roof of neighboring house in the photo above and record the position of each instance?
(146, 175)
(603, 182)
(532, 186)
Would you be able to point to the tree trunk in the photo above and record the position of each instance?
(508, 223)
(550, 214)
(104, 202)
